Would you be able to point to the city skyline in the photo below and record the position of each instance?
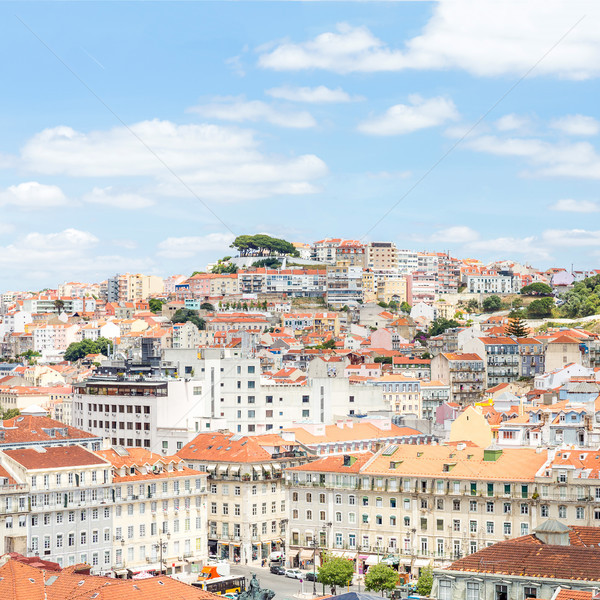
(145, 137)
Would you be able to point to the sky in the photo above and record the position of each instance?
(144, 137)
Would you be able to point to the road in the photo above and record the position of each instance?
(284, 587)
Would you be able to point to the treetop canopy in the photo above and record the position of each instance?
(262, 245)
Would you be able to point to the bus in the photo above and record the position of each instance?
(222, 585)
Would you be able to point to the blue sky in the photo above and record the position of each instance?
(302, 120)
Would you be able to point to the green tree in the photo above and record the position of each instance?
(393, 305)
(59, 305)
(425, 582)
(207, 306)
(472, 305)
(336, 572)
(536, 289)
(382, 304)
(155, 304)
(440, 325)
(492, 303)
(263, 245)
(384, 360)
(183, 315)
(9, 413)
(78, 350)
(516, 327)
(541, 308)
(405, 307)
(269, 263)
(224, 268)
(380, 578)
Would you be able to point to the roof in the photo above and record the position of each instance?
(54, 457)
(564, 339)
(335, 464)
(30, 428)
(462, 357)
(567, 594)
(358, 431)
(224, 447)
(546, 561)
(449, 462)
(19, 581)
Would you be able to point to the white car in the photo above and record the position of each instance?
(294, 574)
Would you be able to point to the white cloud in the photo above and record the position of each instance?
(457, 234)
(317, 95)
(403, 118)
(549, 159)
(126, 201)
(33, 195)
(571, 237)
(186, 247)
(219, 163)
(576, 125)
(576, 206)
(239, 110)
(511, 122)
(505, 247)
(483, 38)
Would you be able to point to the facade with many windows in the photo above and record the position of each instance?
(435, 504)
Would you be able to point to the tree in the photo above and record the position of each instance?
(207, 306)
(224, 268)
(393, 305)
(268, 263)
(440, 325)
(516, 327)
(541, 308)
(472, 305)
(425, 582)
(536, 289)
(59, 305)
(78, 350)
(380, 578)
(492, 303)
(336, 572)
(384, 360)
(155, 304)
(183, 315)
(405, 307)
(263, 245)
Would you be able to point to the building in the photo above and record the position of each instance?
(401, 394)
(382, 256)
(463, 372)
(156, 500)
(433, 395)
(531, 353)
(69, 517)
(562, 351)
(501, 358)
(344, 284)
(534, 566)
(247, 512)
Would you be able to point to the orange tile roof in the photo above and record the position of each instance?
(221, 447)
(462, 357)
(335, 464)
(519, 464)
(359, 431)
(55, 457)
(29, 428)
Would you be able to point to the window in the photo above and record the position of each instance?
(489, 507)
(489, 527)
(507, 528)
(529, 592)
(473, 505)
(562, 512)
(524, 509)
(544, 510)
(580, 512)
(473, 526)
(506, 508)
(455, 504)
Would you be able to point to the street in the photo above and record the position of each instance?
(284, 587)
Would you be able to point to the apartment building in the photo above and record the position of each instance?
(344, 284)
(500, 355)
(433, 395)
(382, 256)
(532, 357)
(562, 351)
(353, 252)
(408, 261)
(14, 513)
(325, 250)
(401, 394)
(69, 490)
(247, 511)
(126, 287)
(422, 504)
(463, 372)
(421, 286)
(156, 501)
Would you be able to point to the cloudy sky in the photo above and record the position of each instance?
(145, 136)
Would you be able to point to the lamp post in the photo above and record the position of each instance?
(161, 546)
(314, 545)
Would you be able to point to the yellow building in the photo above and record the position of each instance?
(471, 425)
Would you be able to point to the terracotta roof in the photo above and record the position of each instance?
(54, 457)
(468, 464)
(224, 447)
(461, 357)
(358, 431)
(335, 464)
(567, 594)
(29, 428)
(564, 339)
(19, 581)
(534, 560)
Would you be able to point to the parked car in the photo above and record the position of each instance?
(310, 576)
(294, 574)
(277, 570)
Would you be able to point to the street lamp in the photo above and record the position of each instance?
(161, 546)
(314, 545)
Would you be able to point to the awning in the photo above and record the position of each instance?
(223, 468)
(363, 556)
(405, 561)
(276, 555)
(306, 554)
(257, 468)
(176, 563)
(234, 469)
(224, 543)
(422, 562)
(292, 553)
(276, 466)
(237, 544)
(120, 572)
(372, 560)
(337, 554)
(211, 467)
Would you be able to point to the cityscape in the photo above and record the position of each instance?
(300, 300)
